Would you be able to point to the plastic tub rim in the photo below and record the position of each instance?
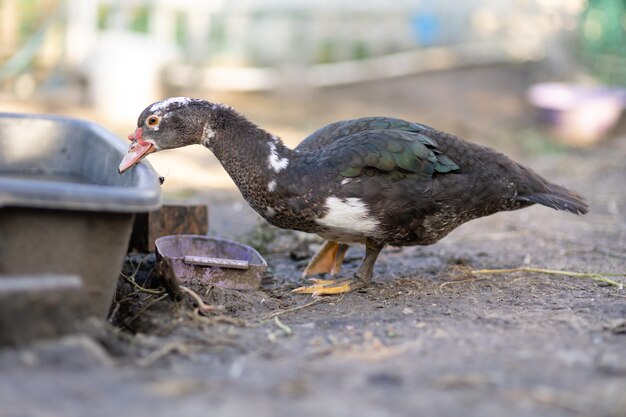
(144, 196)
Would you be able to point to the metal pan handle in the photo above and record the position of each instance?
(218, 262)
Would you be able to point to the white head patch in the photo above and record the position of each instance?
(274, 161)
(271, 186)
(163, 104)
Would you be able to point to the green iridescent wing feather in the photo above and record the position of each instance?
(386, 144)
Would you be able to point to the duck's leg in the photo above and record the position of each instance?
(361, 277)
(327, 260)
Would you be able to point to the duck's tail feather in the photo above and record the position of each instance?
(558, 198)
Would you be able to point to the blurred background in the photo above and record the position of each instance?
(530, 77)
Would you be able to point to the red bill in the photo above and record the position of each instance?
(136, 152)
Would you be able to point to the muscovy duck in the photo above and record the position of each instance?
(375, 180)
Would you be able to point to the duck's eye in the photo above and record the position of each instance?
(152, 120)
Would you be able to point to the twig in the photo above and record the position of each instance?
(234, 321)
(144, 308)
(289, 310)
(201, 304)
(283, 330)
(461, 281)
(131, 280)
(341, 297)
(163, 351)
(594, 276)
(139, 288)
(116, 309)
(282, 326)
(213, 320)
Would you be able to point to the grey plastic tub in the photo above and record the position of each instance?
(64, 209)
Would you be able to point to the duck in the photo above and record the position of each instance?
(376, 181)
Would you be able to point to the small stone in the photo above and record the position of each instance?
(385, 379)
(407, 311)
(28, 359)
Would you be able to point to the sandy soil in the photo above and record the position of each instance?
(428, 338)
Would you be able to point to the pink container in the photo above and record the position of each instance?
(578, 115)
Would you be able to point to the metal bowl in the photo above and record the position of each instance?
(219, 262)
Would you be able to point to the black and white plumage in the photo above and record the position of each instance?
(375, 180)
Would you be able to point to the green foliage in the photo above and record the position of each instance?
(360, 50)
(30, 17)
(602, 39)
(103, 16)
(181, 29)
(327, 51)
(217, 34)
(140, 19)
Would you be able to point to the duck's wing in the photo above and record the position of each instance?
(384, 147)
(329, 134)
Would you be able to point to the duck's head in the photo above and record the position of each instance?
(167, 124)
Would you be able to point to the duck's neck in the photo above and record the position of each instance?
(256, 160)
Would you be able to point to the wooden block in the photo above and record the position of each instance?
(169, 220)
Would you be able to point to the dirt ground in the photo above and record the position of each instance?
(427, 339)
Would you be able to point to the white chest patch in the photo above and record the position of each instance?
(274, 161)
(207, 135)
(271, 186)
(349, 216)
